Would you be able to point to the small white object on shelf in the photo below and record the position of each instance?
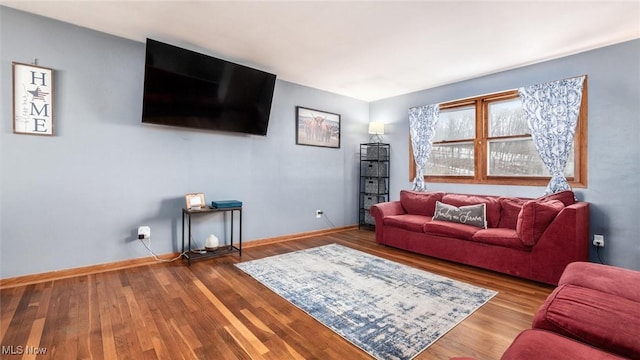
(212, 242)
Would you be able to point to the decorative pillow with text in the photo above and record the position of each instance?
(474, 215)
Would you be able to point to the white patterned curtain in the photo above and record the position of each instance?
(552, 111)
(422, 126)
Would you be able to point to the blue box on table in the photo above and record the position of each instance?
(226, 204)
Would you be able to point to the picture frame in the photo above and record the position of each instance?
(33, 107)
(195, 201)
(317, 128)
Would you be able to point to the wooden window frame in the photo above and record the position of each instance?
(579, 180)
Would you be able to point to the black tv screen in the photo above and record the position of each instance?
(188, 89)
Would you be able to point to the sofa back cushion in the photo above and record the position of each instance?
(419, 203)
(511, 206)
(510, 209)
(567, 197)
(534, 218)
(492, 205)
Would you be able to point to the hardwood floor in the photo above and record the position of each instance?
(212, 310)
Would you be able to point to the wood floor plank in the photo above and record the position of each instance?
(106, 319)
(213, 310)
(22, 320)
(9, 301)
(34, 337)
(251, 342)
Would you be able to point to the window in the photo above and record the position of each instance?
(452, 153)
(486, 140)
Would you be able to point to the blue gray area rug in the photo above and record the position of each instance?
(389, 310)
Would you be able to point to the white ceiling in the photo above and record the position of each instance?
(363, 49)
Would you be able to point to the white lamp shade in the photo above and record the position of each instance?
(212, 242)
(376, 128)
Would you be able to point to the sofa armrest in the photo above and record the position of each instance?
(380, 211)
(565, 240)
(384, 209)
(605, 278)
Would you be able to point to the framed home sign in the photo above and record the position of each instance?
(32, 100)
(317, 128)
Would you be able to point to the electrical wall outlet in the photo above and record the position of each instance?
(144, 232)
(318, 214)
(598, 240)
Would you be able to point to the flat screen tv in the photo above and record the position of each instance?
(188, 89)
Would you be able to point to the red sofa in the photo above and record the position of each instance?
(594, 313)
(529, 238)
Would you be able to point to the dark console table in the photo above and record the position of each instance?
(190, 254)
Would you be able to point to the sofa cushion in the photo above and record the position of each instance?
(419, 203)
(534, 218)
(594, 317)
(409, 222)
(500, 237)
(474, 215)
(540, 344)
(601, 277)
(449, 229)
(567, 197)
(510, 209)
(492, 203)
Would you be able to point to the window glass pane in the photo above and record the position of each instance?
(456, 124)
(451, 160)
(518, 157)
(506, 117)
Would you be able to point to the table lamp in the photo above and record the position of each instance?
(376, 129)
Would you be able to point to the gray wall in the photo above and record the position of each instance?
(77, 198)
(613, 139)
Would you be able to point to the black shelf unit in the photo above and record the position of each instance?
(190, 254)
(374, 180)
